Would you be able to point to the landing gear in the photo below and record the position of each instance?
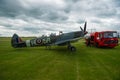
(48, 47)
(71, 48)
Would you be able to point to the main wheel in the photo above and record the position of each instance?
(72, 48)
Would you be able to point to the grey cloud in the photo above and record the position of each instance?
(14, 8)
(115, 26)
(55, 16)
(73, 1)
(70, 4)
(10, 8)
(96, 21)
(116, 2)
(40, 29)
(31, 29)
(106, 12)
(101, 8)
(80, 21)
(73, 12)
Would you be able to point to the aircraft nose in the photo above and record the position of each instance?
(85, 33)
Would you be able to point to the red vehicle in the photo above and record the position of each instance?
(102, 39)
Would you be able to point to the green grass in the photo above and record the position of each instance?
(38, 63)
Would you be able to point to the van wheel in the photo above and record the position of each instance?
(97, 45)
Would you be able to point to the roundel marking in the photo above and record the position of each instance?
(38, 41)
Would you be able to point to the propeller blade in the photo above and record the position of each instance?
(85, 26)
(81, 29)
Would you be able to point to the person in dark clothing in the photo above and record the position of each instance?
(88, 42)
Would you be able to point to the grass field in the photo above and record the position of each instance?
(38, 63)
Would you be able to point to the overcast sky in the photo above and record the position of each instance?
(38, 17)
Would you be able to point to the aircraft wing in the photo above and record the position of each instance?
(65, 41)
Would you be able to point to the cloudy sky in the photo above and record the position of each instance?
(37, 17)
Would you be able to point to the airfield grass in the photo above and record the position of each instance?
(38, 63)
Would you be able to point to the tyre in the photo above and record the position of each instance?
(72, 48)
(97, 45)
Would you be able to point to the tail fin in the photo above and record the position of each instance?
(16, 41)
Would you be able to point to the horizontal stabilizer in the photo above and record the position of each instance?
(16, 41)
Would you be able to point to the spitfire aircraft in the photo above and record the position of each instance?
(60, 40)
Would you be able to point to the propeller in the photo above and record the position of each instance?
(85, 26)
(84, 30)
(81, 29)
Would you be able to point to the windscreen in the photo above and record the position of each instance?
(110, 35)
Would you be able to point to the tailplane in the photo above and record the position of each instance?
(16, 41)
